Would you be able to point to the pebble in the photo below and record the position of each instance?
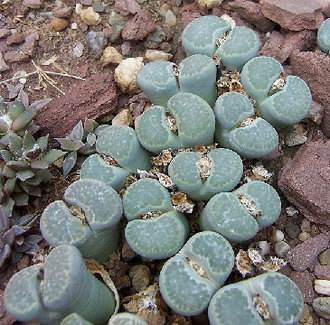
(324, 257)
(15, 56)
(170, 19)
(322, 271)
(126, 7)
(155, 55)
(33, 4)
(59, 24)
(155, 38)
(125, 74)
(78, 50)
(166, 47)
(277, 235)
(86, 2)
(321, 306)
(140, 275)
(322, 287)
(3, 65)
(123, 117)
(78, 8)
(110, 55)
(292, 229)
(304, 236)
(98, 7)
(209, 4)
(281, 248)
(30, 44)
(74, 26)
(90, 17)
(14, 38)
(65, 12)
(115, 18)
(305, 225)
(95, 42)
(125, 48)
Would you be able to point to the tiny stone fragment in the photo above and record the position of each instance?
(110, 55)
(322, 287)
(140, 275)
(281, 248)
(124, 117)
(90, 17)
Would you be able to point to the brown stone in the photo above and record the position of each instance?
(305, 181)
(59, 24)
(3, 65)
(251, 12)
(15, 56)
(15, 38)
(294, 15)
(304, 282)
(126, 7)
(139, 27)
(30, 44)
(33, 4)
(4, 32)
(65, 12)
(91, 98)
(314, 68)
(304, 255)
(322, 271)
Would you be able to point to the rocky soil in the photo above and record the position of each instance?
(76, 52)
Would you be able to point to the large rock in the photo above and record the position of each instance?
(314, 68)
(294, 15)
(304, 255)
(305, 181)
(91, 98)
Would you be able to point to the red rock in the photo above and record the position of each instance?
(4, 32)
(65, 12)
(281, 47)
(139, 27)
(126, 7)
(304, 282)
(314, 68)
(30, 44)
(15, 56)
(251, 12)
(293, 15)
(33, 4)
(3, 65)
(15, 38)
(91, 98)
(322, 271)
(305, 181)
(304, 255)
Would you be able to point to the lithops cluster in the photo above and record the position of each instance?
(240, 214)
(47, 293)
(87, 218)
(270, 298)
(149, 210)
(24, 160)
(188, 280)
(323, 36)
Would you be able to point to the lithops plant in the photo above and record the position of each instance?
(187, 121)
(160, 80)
(279, 99)
(202, 176)
(74, 319)
(240, 214)
(188, 280)
(323, 36)
(239, 129)
(148, 208)
(47, 293)
(87, 218)
(270, 298)
(213, 36)
(126, 319)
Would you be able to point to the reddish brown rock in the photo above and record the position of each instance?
(65, 12)
(322, 271)
(4, 32)
(314, 68)
(281, 47)
(30, 44)
(91, 98)
(305, 181)
(33, 4)
(304, 282)
(251, 12)
(3, 65)
(15, 56)
(304, 255)
(139, 27)
(58, 24)
(126, 7)
(295, 15)
(15, 38)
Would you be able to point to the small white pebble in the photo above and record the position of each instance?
(322, 287)
(74, 26)
(277, 235)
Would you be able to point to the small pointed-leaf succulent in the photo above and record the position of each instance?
(47, 293)
(87, 218)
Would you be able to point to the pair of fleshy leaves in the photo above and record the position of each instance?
(323, 36)
(240, 214)
(67, 287)
(92, 224)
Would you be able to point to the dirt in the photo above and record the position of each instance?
(85, 88)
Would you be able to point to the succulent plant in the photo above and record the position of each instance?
(239, 129)
(24, 160)
(149, 210)
(270, 298)
(47, 293)
(81, 140)
(188, 280)
(323, 36)
(74, 319)
(88, 221)
(240, 214)
(213, 36)
(202, 176)
(126, 319)
(186, 122)
(13, 241)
